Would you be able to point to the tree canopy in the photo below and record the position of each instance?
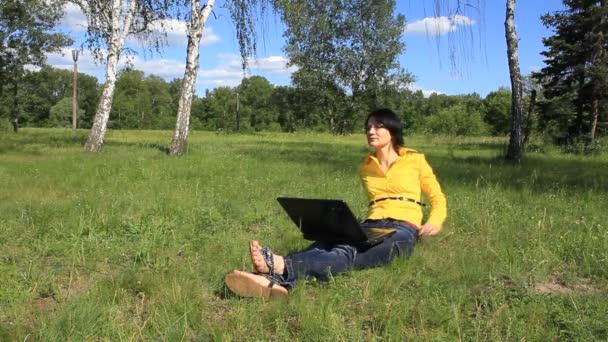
(346, 53)
(25, 38)
(576, 71)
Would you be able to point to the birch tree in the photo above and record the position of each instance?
(243, 15)
(198, 18)
(515, 150)
(110, 23)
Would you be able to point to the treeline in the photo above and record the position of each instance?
(150, 102)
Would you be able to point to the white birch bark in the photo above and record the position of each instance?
(115, 45)
(195, 32)
(516, 147)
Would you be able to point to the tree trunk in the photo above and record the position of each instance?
(98, 131)
(580, 105)
(594, 116)
(529, 120)
(515, 150)
(15, 107)
(117, 39)
(195, 32)
(238, 112)
(599, 59)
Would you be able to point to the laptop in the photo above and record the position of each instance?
(330, 220)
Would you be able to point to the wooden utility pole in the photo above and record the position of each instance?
(75, 92)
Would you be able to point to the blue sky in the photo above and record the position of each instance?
(475, 36)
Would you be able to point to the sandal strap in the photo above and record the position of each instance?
(269, 259)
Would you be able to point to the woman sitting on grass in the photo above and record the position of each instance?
(394, 177)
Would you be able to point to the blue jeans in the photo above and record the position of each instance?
(323, 260)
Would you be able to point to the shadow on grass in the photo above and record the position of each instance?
(141, 144)
(498, 146)
(537, 173)
(21, 142)
(24, 141)
(343, 158)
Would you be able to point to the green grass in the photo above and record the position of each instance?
(131, 244)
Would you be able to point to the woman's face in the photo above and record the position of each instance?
(377, 135)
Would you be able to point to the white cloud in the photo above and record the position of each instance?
(438, 25)
(425, 92)
(230, 73)
(176, 32)
(274, 65)
(73, 18)
(165, 68)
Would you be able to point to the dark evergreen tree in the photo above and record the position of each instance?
(576, 69)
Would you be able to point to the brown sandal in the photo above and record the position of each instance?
(246, 284)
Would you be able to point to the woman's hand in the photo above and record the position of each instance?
(428, 229)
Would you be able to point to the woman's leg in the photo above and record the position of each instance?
(400, 244)
(321, 260)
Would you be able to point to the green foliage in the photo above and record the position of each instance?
(26, 36)
(255, 94)
(43, 89)
(217, 110)
(456, 120)
(149, 102)
(130, 244)
(497, 111)
(61, 113)
(141, 102)
(346, 53)
(575, 71)
(5, 126)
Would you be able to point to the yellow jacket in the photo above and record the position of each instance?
(406, 177)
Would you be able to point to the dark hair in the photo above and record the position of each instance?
(390, 120)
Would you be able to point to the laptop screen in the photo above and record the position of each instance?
(323, 219)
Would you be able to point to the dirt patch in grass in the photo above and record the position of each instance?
(45, 303)
(557, 285)
(76, 287)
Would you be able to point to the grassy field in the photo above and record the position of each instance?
(131, 244)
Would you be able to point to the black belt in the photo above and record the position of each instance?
(400, 198)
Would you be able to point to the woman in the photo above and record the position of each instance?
(394, 176)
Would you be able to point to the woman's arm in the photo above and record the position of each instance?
(432, 190)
